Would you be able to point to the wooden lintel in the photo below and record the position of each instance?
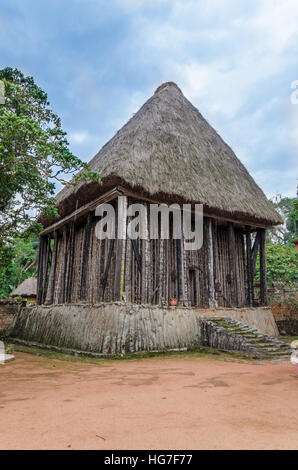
(109, 196)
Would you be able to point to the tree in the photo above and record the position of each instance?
(288, 209)
(34, 154)
(20, 257)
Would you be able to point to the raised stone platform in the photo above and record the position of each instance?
(119, 328)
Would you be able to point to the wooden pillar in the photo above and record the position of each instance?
(45, 265)
(232, 264)
(51, 283)
(40, 270)
(210, 264)
(249, 270)
(263, 280)
(70, 262)
(85, 257)
(145, 244)
(255, 251)
(120, 248)
(179, 269)
(161, 272)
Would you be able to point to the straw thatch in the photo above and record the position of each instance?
(167, 149)
(27, 288)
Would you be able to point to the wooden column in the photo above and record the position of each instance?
(249, 269)
(179, 269)
(255, 251)
(85, 257)
(40, 270)
(232, 264)
(120, 249)
(263, 280)
(51, 283)
(210, 264)
(70, 262)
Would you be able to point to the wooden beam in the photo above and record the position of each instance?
(263, 280)
(242, 223)
(91, 206)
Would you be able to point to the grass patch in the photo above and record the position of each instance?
(197, 353)
(288, 339)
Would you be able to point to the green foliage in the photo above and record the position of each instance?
(288, 209)
(34, 154)
(18, 263)
(282, 264)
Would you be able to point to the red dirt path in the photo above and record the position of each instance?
(172, 403)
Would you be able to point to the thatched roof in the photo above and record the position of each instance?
(168, 148)
(27, 288)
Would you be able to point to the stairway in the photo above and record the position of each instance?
(230, 335)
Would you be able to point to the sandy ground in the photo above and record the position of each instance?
(169, 402)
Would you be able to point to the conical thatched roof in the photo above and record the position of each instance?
(27, 288)
(168, 149)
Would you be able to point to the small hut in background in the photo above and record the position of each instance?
(27, 289)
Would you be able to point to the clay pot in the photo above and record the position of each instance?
(173, 302)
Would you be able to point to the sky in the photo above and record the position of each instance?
(100, 60)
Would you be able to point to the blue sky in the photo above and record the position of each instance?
(99, 61)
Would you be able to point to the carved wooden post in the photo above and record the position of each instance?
(263, 281)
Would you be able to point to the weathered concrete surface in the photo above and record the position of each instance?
(108, 328)
(260, 318)
(118, 328)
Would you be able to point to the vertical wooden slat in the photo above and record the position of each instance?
(263, 280)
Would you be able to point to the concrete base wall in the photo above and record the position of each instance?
(118, 328)
(108, 328)
(260, 318)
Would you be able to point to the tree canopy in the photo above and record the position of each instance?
(34, 154)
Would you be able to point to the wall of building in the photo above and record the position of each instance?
(147, 271)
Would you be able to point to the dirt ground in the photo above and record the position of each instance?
(176, 402)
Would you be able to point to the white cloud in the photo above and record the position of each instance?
(79, 137)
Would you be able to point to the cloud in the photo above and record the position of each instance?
(78, 137)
